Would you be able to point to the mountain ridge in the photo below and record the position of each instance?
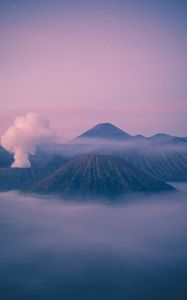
(93, 175)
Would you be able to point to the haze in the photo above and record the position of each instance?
(52, 249)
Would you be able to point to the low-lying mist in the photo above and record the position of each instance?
(89, 145)
(57, 250)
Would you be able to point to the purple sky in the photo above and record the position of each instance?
(104, 62)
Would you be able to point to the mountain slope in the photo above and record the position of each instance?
(177, 141)
(24, 178)
(93, 175)
(165, 163)
(6, 159)
(105, 131)
(160, 138)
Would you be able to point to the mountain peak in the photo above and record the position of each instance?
(105, 124)
(105, 131)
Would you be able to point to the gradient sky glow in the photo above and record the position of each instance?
(85, 62)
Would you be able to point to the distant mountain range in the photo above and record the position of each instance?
(103, 161)
(108, 131)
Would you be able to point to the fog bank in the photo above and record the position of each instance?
(52, 249)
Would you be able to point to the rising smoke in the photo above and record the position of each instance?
(24, 135)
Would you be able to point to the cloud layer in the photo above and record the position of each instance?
(64, 250)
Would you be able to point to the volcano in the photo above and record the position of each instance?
(105, 131)
(92, 175)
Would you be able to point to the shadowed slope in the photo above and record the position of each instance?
(24, 178)
(94, 175)
(6, 159)
(164, 163)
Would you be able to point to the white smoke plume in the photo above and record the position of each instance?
(24, 135)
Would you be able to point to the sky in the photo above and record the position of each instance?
(80, 63)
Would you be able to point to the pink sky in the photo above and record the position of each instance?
(104, 69)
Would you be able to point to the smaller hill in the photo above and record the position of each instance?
(160, 138)
(23, 178)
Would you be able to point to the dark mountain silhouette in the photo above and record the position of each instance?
(160, 138)
(178, 141)
(19, 179)
(138, 138)
(93, 175)
(168, 139)
(47, 160)
(105, 131)
(166, 163)
(6, 159)
(23, 178)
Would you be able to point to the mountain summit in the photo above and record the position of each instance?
(105, 131)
